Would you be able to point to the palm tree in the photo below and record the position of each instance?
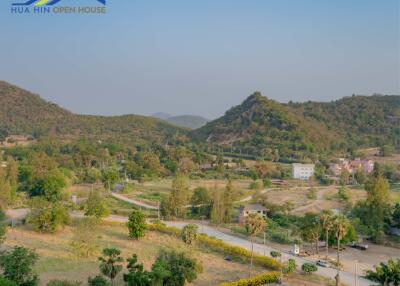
(386, 273)
(254, 225)
(340, 226)
(327, 224)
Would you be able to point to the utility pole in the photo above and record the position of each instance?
(355, 273)
(264, 243)
(158, 210)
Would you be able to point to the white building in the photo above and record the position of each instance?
(302, 171)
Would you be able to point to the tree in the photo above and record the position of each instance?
(110, 263)
(310, 229)
(95, 206)
(396, 215)
(189, 234)
(136, 275)
(254, 225)
(179, 196)
(360, 176)
(377, 204)
(386, 273)
(83, 240)
(340, 226)
(309, 268)
(3, 227)
(48, 186)
(344, 177)
(5, 189)
(110, 178)
(228, 199)
(326, 219)
(46, 216)
(17, 266)
(218, 207)
(136, 224)
(201, 202)
(174, 269)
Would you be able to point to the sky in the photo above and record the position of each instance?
(202, 57)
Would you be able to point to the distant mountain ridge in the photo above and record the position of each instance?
(274, 130)
(22, 112)
(187, 121)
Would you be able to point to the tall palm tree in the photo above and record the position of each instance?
(326, 219)
(254, 225)
(340, 226)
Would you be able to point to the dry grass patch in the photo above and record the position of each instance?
(59, 261)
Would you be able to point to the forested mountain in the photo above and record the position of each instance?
(22, 112)
(295, 131)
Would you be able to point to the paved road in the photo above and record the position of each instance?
(346, 277)
(134, 202)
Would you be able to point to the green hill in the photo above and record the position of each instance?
(297, 131)
(188, 121)
(22, 112)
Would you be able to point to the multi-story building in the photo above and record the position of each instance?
(302, 171)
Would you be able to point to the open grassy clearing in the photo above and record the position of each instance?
(59, 261)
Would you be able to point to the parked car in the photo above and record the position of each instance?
(361, 246)
(322, 263)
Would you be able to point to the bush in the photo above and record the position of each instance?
(174, 268)
(63, 283)
(97, 281)
(309, 268)
(6, 282)
(255, 186)
(219, 245)
(96, 206)
(275, 254)
(291, 266)
(189, 234)
(46, 216)
(136, 224)
(267, 182)
(262, 279)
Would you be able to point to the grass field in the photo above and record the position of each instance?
(59, 261)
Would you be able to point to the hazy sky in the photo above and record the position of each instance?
(202, 57)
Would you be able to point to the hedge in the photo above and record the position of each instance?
(265, 278)
(219, 245)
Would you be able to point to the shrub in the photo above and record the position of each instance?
(219, 245)
(255, 186)
(275, 254)
(46, 216)
(63, 283)
(262, 279)
(136, 224)
(174, 268)
(189, 234)
(267, 182)
(6, 282)
(290, 267)
(95, 206)
(309, 268)
(97, 281)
